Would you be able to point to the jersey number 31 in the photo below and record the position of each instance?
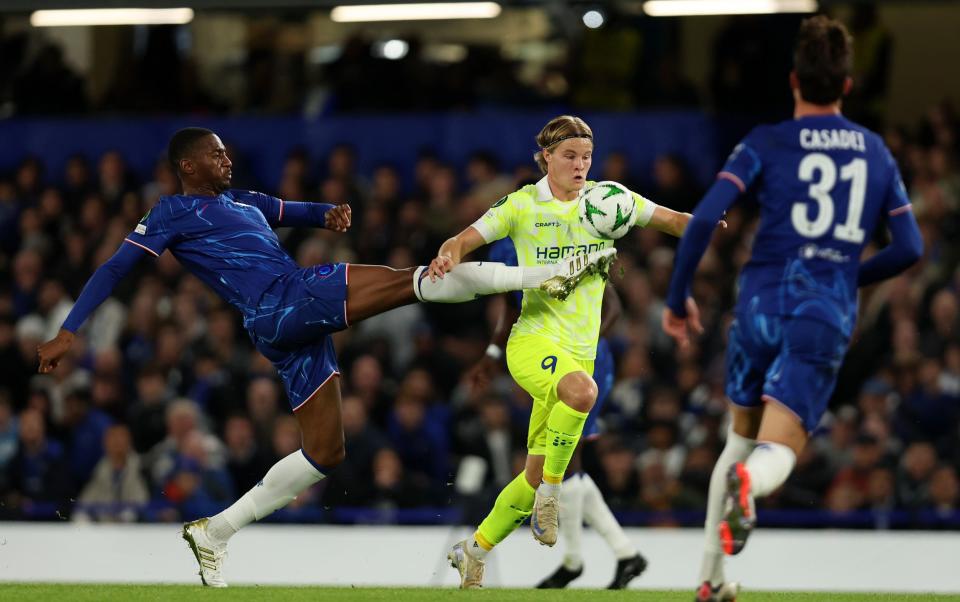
(820, 164)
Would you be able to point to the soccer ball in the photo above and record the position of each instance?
(607, 210)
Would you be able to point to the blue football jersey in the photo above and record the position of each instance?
(226, 241)
(824, 183)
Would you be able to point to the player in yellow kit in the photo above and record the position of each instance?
(552, 346)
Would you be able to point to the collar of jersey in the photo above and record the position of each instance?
(544, 195)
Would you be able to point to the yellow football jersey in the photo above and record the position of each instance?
(544, 231)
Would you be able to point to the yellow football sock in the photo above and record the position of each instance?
(564, 426)
(512, 507)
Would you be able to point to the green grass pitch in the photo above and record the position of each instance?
(186, 593)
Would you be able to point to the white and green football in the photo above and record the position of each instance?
(607, 210)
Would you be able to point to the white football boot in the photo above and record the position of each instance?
(209, 555)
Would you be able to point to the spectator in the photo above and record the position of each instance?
(352, 483)
(420, 440)
(246, 461)
(147, 414)
(86, 426)
(38, 481)
(391, 487)
(916, 467)
(183, 431)
(196, 486)
(9, 430)
(619, 482)
(117, 491)
(263, 401)
(944, 490)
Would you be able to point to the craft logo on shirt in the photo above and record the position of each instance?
(142, 226)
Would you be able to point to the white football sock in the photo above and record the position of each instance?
(467, 281)
(550, 489)
(280, 486)
(571, 523)
(736, 450)
(769, 466)
(475, 549)
(598, 515)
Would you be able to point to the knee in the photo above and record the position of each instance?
(328, 454)
(580, 393)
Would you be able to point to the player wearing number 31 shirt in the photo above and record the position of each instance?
(824, 184)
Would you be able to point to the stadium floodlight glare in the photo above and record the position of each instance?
(111, 16)
(689, 8)
(395, 49)
(593, 19)
(415, 12)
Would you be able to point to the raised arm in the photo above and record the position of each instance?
(669, 221)
(296, 213)
(98, 288)
(681, 308)
(664, 219)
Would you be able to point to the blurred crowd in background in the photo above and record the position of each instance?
(164, 411)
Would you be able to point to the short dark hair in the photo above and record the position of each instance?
(822, 59)
(181, 144)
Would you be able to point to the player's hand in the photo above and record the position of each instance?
(51, 351)
(440, 265)
(338, 218)
(678, 328)
(480, 375)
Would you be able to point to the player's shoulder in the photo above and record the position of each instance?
(177, 205)
(247, 197)
(873, 140)
(761, 133)
(518, 199)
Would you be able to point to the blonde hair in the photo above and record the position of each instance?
(556, 131)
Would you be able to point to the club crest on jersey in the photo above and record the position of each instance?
(142, 226)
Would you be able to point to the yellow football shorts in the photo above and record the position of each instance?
(538, 364)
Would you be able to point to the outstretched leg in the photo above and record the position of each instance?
(374, 289)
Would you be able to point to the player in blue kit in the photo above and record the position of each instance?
(824, 183)
(224, 237)
(580, 498)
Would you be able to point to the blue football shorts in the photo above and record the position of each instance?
(789, 360)
(293, 324)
